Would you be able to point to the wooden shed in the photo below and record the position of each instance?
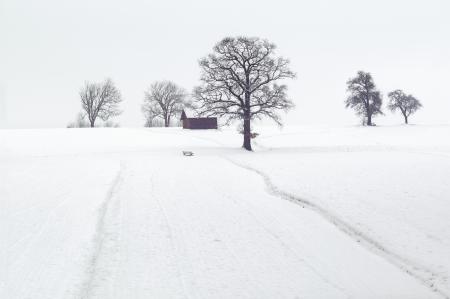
(198, 123)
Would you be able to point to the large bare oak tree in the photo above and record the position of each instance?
(364, 97)
(163, 100)
(239, 83)
(100, 100)
(407, 104)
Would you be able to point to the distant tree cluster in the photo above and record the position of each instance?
(241, 80)
(367, 101)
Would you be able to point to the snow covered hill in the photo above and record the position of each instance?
(313, 212)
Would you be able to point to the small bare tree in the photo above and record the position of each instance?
(163, 100)
(239, 83)
(364, 97)
(407, 104)
(80, 122)
(151, 121)
(100, 100)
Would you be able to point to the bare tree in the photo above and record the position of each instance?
(364, 97)
(239, 83)
(407, 104)
(100, 100)
(163, 100)
(149, 120)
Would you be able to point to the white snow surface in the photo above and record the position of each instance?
(312, 212)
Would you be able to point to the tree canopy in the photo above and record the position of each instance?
(163, 100)
(100, 100)
(363, 97)
(407, 104)
(240, 82)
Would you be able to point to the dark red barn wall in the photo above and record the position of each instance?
(200, 123)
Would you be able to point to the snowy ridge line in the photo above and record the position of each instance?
(420, 273)
(353, 149)
(99, 236)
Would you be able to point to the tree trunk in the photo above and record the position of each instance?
(247, 134)
(166, 122)
(406, 119)
(247, 128)
(369, 119)
(92, 123)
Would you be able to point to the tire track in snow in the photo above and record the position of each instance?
(420, 273)
(99, 236)
(275, 236)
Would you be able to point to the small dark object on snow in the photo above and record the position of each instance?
(187, 153)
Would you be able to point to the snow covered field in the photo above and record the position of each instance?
(314, 212)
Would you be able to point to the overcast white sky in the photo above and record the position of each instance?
(50, 47)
